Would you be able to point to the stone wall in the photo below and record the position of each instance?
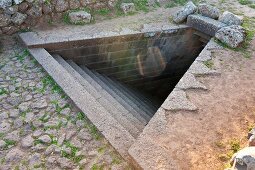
(18, 15)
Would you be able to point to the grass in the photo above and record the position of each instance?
(209, 63)
(49, 81)
(21, 57)
(9, 143)
(97, 167)
(72, 155)
(103, 11)
(92, 128)
(244, 2)
(3, 91)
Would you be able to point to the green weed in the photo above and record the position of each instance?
(9, 143)
(208, 63)
(21, 57)
(3, 91)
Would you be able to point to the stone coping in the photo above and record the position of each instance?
(33, 40)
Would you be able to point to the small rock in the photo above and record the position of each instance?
(67, 149)
(38, 148)
(14, 155)
(83, 162)
(80, 123)
(79, 17)
(70, 134)
(18, 18)
(61, 5)
(5, 3)
(127, 7)
(17, 123)
(14, 113)
(11, 10)
(34, 159)
(13, 136)
(65, 111)
(84, 135)
(233, 35)
(27, 142)
(37, 133)
(2, 144)
(3, 115)
(37, 123)
(182, 14)
(24, 106)
(5, 127)
(40, 104)
(5, 20)
(61, 139)
(209, 11)
(45, 139)
(65, 163)
(35, 11)
(230, 19)
(29, 117)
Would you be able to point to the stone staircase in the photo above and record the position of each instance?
(131, 109)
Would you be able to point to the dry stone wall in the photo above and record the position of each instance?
(18, 15)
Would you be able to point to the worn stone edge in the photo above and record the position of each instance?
(136, 150)
(118, 137)
(32, 40)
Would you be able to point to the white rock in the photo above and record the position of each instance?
(79, 17)
(232, 35)
(127, 7)
(181, 15)
(231, 19)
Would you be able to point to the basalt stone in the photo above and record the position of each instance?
(11, 10)
(230, 19)
(5, 20)
(23, 7)
(233, 35)
(79, 17)
(127, 7)
(5, 3)
(35, 11)
(245, 158)
(47, 8)
(18, 18)
(209, 11)
(183, 13)
(74, 4)
(204, 24)
(61, 5)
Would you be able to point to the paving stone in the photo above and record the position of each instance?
(34, 160)
(65, 111)
(45, 139)
(14, 113)
(40, 104)
(65, 163)
(2, 144)
(84, 135)
(17, 123)
(61, 139)
(14, 155)
(38, 133)
(177, 100)
(4, 115)
(5, 127)
(13, 136)
(27, 142)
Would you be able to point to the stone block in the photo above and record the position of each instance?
(204, 24)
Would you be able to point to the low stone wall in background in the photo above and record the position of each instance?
(18, 15)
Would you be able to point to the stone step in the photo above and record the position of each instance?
(109, 127)
(131, 95)
(124, 100)
(105, 102)
(100, 86)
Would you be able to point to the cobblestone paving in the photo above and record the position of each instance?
(40, 128)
